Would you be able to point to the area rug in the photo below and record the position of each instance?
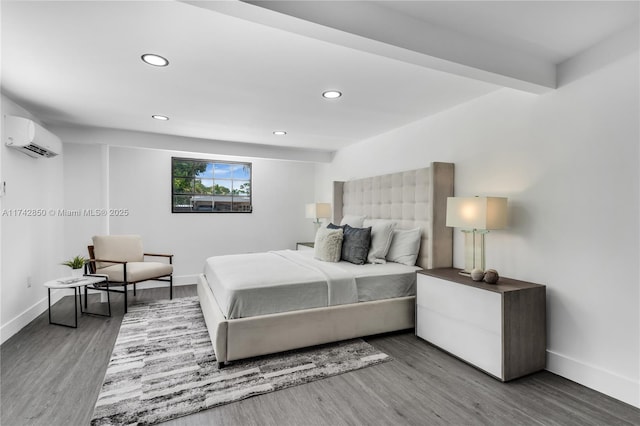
(163, 367)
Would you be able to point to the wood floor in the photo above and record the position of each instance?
(52, 376)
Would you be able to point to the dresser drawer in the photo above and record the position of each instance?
(464, 304)
(461, 338)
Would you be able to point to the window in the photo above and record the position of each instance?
(209, 186)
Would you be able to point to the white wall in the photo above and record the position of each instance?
(568, 161)
(86, 180)
(139, 180)
(31, 246)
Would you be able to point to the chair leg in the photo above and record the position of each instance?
(125, 298)
(108, 298)
(76, 294)
(80, 297)
(134, 289)
(49, 298)
(170, 287)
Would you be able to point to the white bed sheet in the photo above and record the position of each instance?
(264, 283)
(380, 281)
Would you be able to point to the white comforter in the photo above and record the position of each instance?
(277, 281)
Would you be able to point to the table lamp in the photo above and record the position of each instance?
(318, 211)
(476, 216)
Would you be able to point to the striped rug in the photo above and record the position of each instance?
(163, 367)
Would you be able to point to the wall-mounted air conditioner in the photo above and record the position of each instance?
(31, 138)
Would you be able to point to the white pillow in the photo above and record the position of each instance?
(381, 236)
(405, 246)
(328, 244)
(353, 221)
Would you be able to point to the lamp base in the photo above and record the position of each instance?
(473, 251)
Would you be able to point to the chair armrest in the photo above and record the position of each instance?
(107, 261)
(90, 265)
(158, 255)
(168, 256)
(97, 275)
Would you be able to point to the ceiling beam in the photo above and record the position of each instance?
(397, 36)
(90, 135)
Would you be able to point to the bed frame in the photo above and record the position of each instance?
(414, 198)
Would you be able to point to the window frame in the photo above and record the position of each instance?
(193, 193)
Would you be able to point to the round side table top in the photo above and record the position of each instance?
(70, 282)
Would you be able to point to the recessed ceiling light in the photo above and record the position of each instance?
(155, 60)
(332, 94)
(160, 117)
(279, 133)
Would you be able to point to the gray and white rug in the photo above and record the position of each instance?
(163, 367)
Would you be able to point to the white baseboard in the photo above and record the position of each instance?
(23, 319)
(607, 382)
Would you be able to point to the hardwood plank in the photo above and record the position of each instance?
(52, 375)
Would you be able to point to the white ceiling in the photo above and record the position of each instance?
(552, 30)
(234, 79)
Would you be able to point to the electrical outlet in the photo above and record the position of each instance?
(29, 281)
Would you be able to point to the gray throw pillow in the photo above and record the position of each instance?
(355, 244)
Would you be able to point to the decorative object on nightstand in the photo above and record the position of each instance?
(318, 211)
(476, 216)
(477, 274)
(491, 276)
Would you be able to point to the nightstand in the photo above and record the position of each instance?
(305, 246)
(498, 328)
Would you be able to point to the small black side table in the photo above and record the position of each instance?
(76, 283)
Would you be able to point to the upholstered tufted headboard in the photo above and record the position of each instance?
(414, 198)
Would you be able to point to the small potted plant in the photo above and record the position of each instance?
(76, 264)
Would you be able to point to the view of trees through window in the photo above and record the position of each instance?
(210, 186)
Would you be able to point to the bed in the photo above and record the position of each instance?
(353, 307)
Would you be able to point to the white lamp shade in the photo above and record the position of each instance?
(477, 212)
(318, 211)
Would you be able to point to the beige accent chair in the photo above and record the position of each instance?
(121, 259)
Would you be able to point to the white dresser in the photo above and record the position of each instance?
(499, 328)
